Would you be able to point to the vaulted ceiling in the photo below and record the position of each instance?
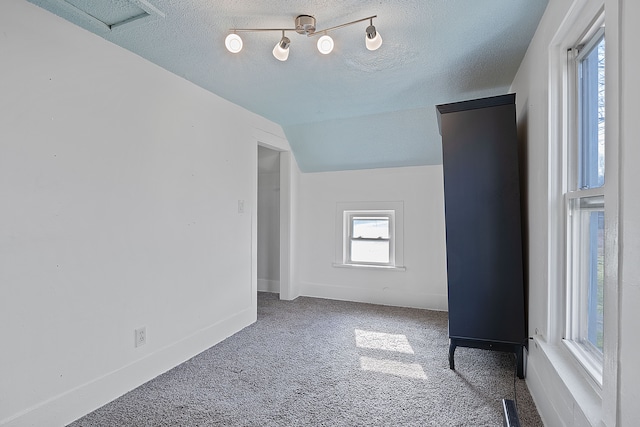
(353, 108)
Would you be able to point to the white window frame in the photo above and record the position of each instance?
(576, 312)
(588, 357)
(394, 210)
(349, 217)
(597, 402)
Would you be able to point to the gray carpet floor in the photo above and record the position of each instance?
(315, 362)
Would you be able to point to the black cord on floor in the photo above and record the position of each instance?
(515, 374)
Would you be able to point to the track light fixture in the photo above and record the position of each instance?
(281, 51)
(325, 44)
(233, 42)
(304, 25)
(373, 40)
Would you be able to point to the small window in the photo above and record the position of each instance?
(369, 237)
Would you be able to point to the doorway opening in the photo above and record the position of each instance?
(268, 218)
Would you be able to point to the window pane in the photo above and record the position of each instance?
(595, 329)
(370, 227)
(370, 251)
(587, 259)
(592, 118)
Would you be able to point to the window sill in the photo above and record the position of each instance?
(578, 383)
(368, 266)
(586, 361)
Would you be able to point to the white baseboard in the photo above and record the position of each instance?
(75, 403)
(541, 397)
(266, 285)
(386, 296)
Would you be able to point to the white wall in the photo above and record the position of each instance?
(421, 190)
(561, 393)
(268, 220)
(629, 232)
(119, 185)
(290, 177)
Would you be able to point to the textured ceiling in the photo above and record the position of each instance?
(352, 109)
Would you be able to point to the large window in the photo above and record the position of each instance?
(584, 201)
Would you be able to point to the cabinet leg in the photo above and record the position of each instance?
(452, 349)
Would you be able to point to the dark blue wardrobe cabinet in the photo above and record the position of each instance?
(483, 226)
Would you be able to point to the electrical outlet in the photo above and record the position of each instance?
(141, 336)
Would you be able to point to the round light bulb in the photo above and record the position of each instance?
(233, 42)
(325, 44)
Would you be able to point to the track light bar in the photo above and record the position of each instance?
(304, 25)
